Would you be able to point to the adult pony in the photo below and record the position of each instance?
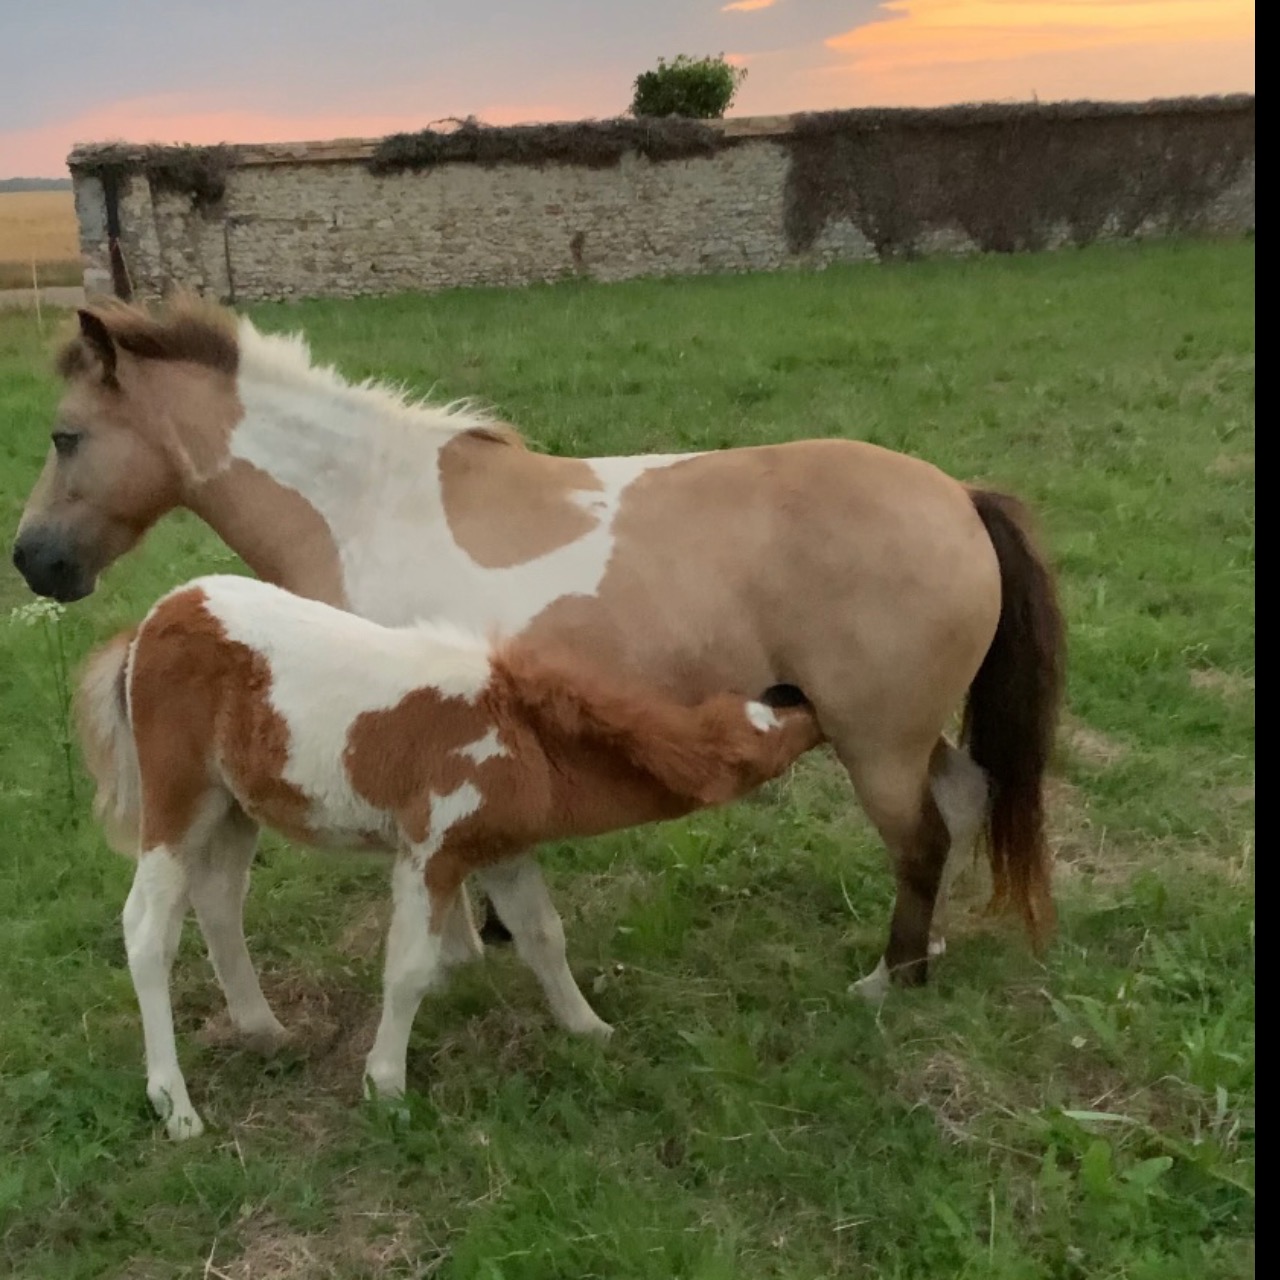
(885, 590)
(204, 724)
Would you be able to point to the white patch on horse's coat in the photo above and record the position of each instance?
(764, 718)
(365, 458)
(320, 688)
(875, 986)
(961, 792)
(485, 748)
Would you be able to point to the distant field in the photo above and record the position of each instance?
(38, 226)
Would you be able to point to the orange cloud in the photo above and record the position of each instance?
(747, 6)
(916, 34)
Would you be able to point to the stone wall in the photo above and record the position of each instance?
(615, 200)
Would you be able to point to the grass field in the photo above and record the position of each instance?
(38, 226)
(1088, 1115)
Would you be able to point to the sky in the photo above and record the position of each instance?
(207, 71)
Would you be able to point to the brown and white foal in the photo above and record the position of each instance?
(237, 705)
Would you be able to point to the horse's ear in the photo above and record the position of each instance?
(97, 337)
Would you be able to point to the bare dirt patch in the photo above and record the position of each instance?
(1230, 465)
(369, 1243)
(1091, 745)
(1227, 684)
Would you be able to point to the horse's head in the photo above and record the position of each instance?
(139, 393)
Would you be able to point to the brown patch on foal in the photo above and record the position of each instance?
(580, 756)
(494, 512)
(225, 689)
(614, 747)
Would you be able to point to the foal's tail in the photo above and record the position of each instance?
(1012, 712)
(106, 739)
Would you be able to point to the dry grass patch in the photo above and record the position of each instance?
(39, 227)
(1227, 684)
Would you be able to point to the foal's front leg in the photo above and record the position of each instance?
(415, 963)
(152, 928)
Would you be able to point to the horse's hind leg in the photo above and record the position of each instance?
(218, 881)
(960, 790)
(895, 790)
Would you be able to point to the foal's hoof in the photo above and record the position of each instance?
(169, 1099)
(180, 1127)
(266, 1041)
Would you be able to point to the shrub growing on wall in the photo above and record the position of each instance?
(702, 88)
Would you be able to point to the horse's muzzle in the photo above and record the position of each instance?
(48, 570)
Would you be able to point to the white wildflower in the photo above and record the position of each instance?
(35, 612)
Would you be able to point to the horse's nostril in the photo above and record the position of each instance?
(20, 558)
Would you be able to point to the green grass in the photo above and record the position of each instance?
(1090, 1115)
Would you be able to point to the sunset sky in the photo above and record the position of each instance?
(259, 70)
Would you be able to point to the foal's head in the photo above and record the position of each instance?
(146, 411)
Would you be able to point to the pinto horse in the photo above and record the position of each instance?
(885, 590)
(237, 705)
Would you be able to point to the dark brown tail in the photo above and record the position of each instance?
(1012, 712)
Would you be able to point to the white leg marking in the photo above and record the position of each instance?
(520, 895)
(875, 986)
(152, 928)
(218, 880)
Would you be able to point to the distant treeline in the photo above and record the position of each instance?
(35, 184)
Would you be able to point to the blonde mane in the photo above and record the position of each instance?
(193, 329)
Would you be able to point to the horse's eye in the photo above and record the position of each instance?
(65, 442)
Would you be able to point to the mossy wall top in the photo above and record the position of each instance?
(619, 198)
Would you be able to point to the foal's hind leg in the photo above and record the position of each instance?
(894, 788)
(520, 895)
(218, 880)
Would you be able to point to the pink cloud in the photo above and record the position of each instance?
(42, 151)
(747, 6)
